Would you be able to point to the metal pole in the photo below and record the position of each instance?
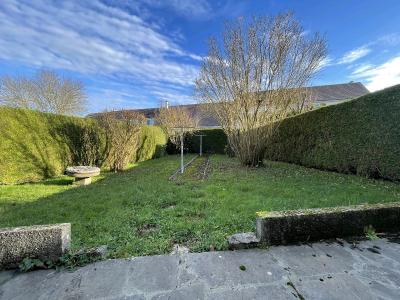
(201, 145)
(182, 151)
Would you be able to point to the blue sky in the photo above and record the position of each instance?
(134, 54)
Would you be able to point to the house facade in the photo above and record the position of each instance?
(320, 96)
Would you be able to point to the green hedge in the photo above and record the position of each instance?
(215, 141)
(361, 136)
(153, 143)
(35, 145)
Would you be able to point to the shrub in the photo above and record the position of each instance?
(171, 118)
(86, 142)
(123, 136)
(361, 136)
(255, 74)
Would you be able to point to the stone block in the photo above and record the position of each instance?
(82, 181)
(243, 240)
(46, 242)
(283, 227)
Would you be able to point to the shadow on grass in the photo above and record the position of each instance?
(96, 211)
(56, 181)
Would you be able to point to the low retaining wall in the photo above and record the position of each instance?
(314, 224)
(41, 241)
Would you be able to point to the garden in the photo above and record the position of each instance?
(140, 212)
(272, 152)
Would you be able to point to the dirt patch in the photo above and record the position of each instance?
(204, 169)
(179, 249)
(196, 215)
(184, 238)
(146, 229)
(199, 170)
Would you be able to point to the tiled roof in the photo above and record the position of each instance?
(335, 92)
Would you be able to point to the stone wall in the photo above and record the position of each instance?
(46, 242)
(314, 224)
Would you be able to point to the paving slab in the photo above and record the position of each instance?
(335, 269)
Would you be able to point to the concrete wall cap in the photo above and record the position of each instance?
(327, 210)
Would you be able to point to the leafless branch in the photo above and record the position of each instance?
(174, 117)
(46, 92)
(122, 132)
(256, 76)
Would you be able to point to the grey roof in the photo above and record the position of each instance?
(322, 93)
(337, 92)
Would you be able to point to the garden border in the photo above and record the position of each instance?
(284, 227)
(45, 242)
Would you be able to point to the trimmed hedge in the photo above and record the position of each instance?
(33, 145)
(361, 136)
(153, 144)
(215, 141)
(36, 145)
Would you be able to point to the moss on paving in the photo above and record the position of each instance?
(116, 208)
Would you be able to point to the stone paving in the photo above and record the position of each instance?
(326, 270)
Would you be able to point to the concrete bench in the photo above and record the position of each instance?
(83, 174)
(46, 242)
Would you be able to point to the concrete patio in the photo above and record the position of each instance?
(327, 270)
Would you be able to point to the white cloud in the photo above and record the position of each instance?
(196, 57)
(326, 62)
(93, 39)
(354, 55)
(361, 69)
(380, 76)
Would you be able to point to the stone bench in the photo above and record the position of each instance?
(83, 174)
(46, 242)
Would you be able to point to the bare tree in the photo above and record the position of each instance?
(174, 117)
(46, 91)
(122, 133)
(304, 102)
(256, 77)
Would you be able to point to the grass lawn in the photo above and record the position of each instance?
(140, 212)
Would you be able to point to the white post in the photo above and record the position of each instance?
(201, 145)
(182, 151)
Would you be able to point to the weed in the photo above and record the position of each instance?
(370, 233)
